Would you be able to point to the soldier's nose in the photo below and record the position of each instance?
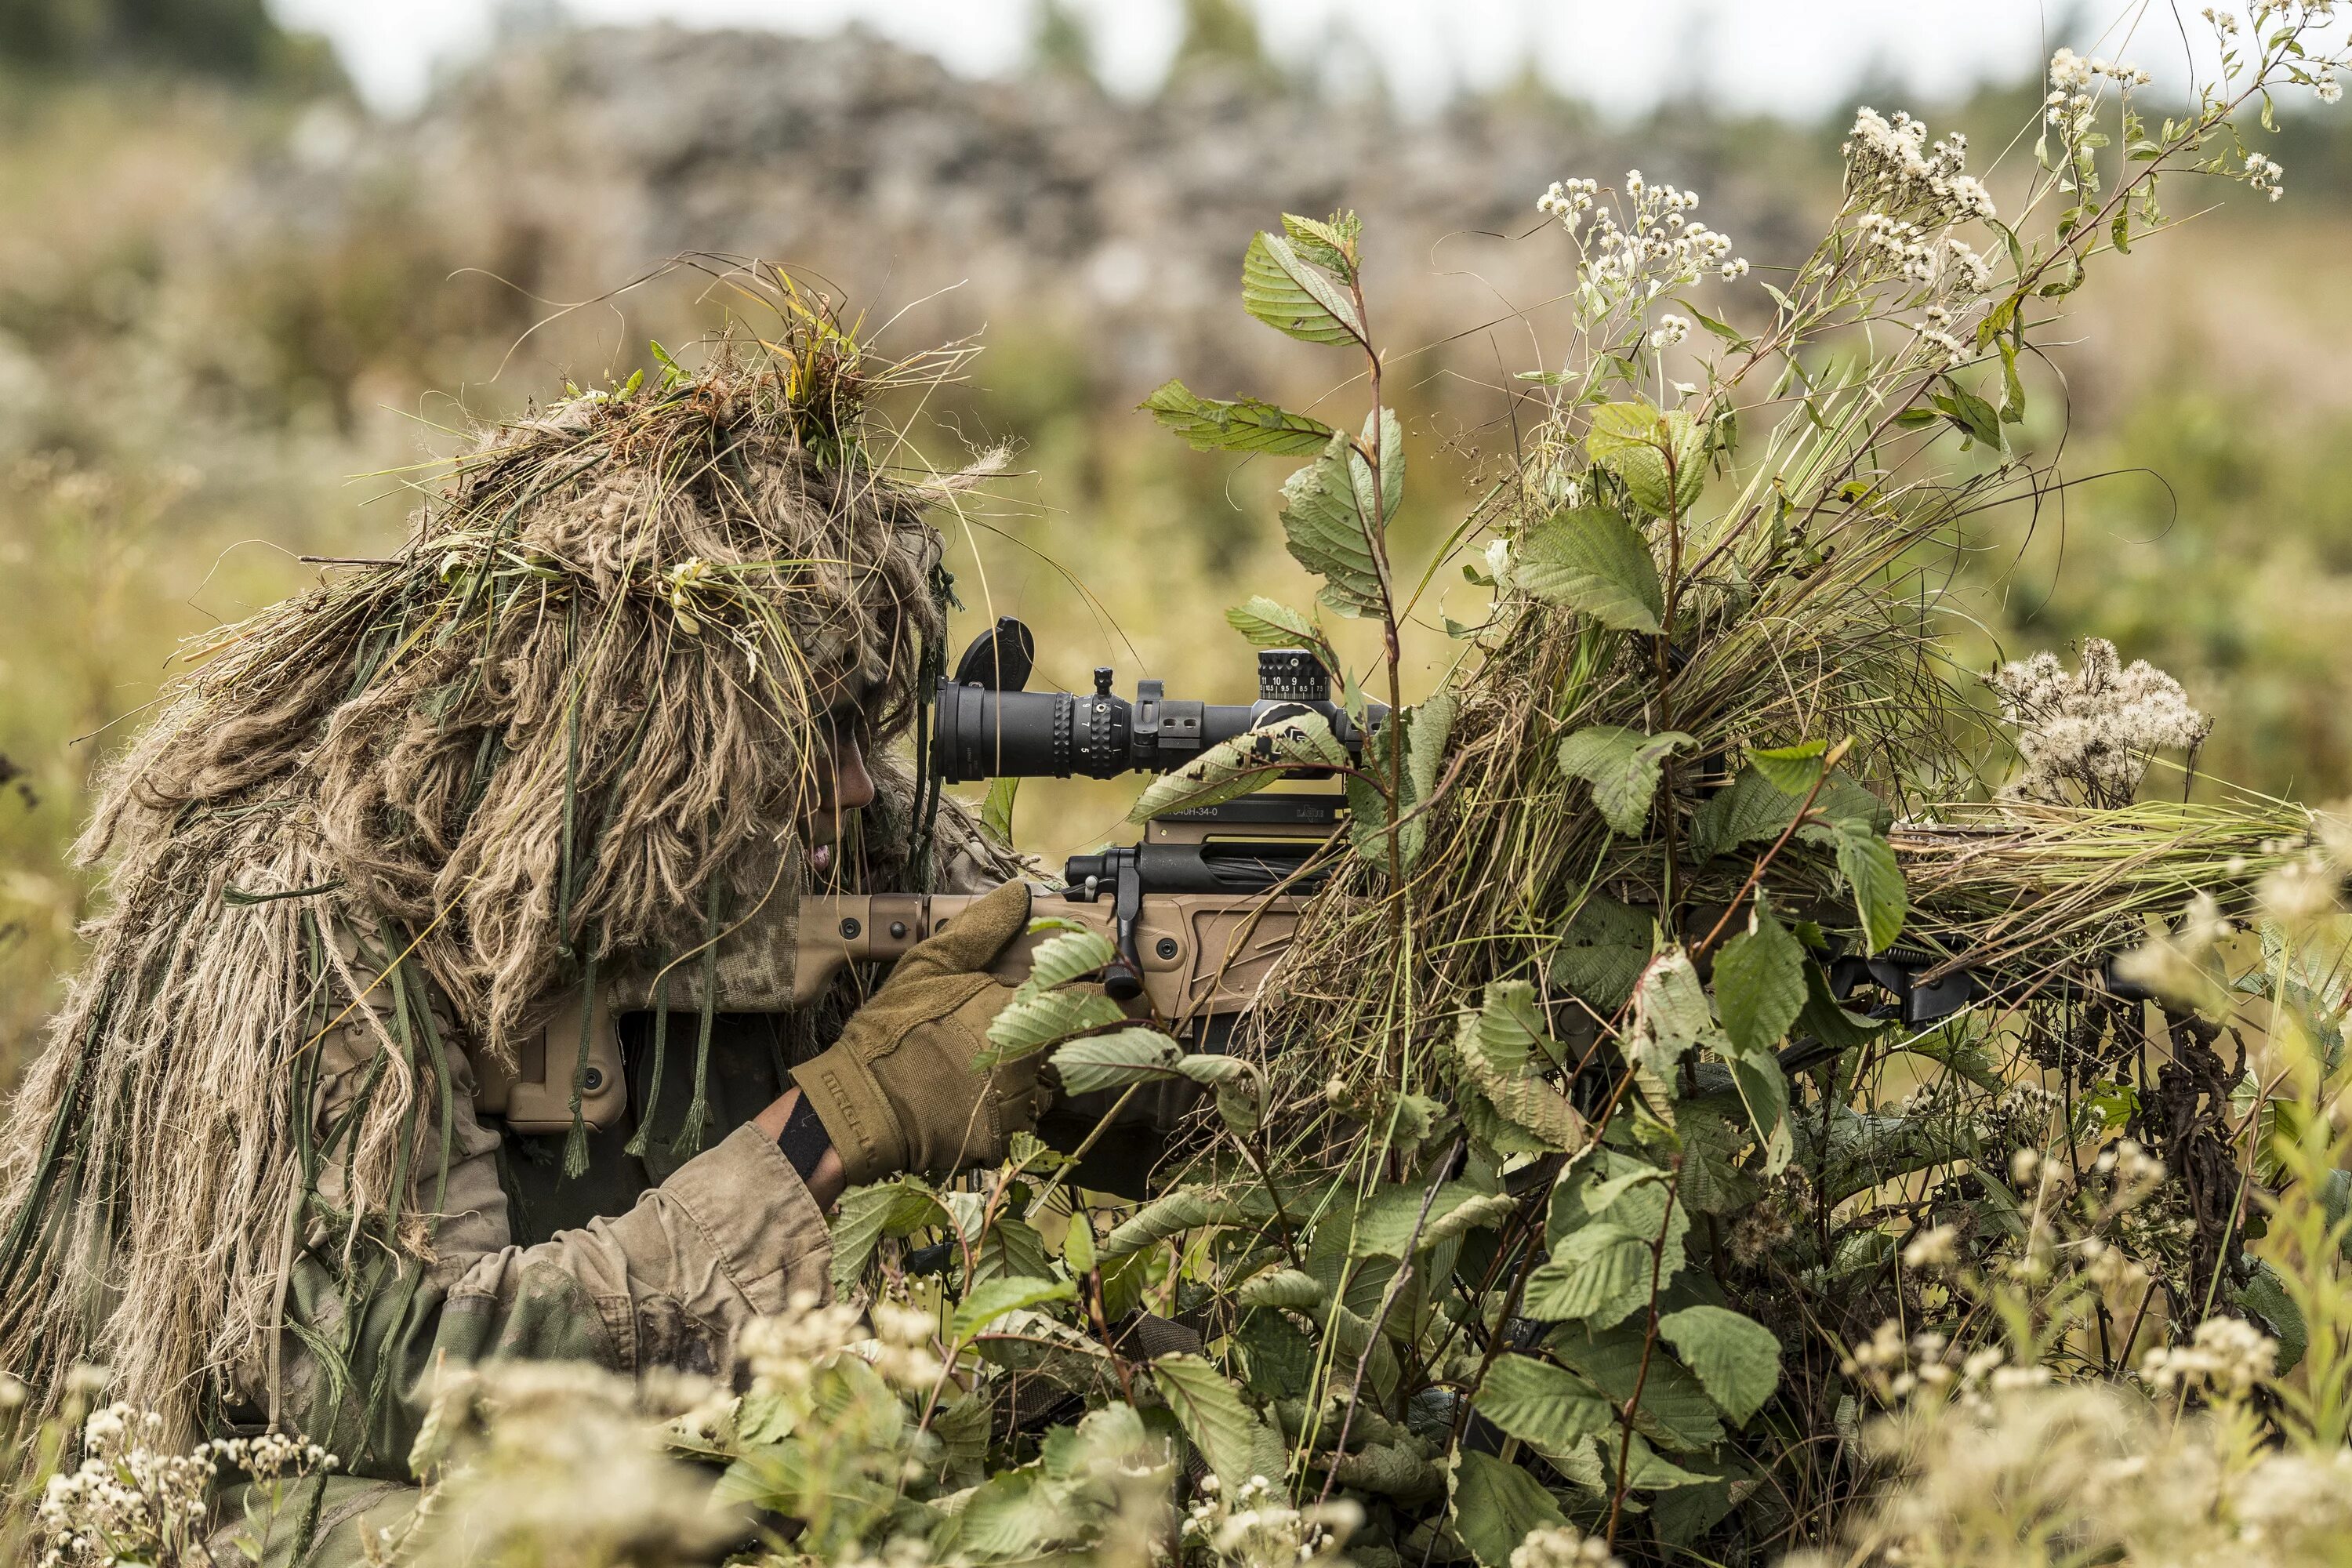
(852, 786)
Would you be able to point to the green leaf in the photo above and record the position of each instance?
(1507, 1033)
(1078, 1243)
(1277, 1358)
(1737, 1359)
(987, 1302)
(1602, 1268)
(1504, 1049)
(1428, 727)
(1014, 1516)
(1827, 1022)
(1764, 1091)
(1595, 562)
(2013, 393)
(1241, 1090)
(1246, 764)
(896, 1208)
(1646, 1470)
(1867, 862)
(1753, 810)
(1325, 509)
(1972, 415)
(1601, 954)
(1639, 444)
(1246, 424)
(996, 807)
(1115, 1060)
(1329, 244)
(1391, 449)
(1671, 1010)
(1232, 1440)
(2265, 1296)
(1674, 1410)
(1792, 769)
(1760, 983)
(1062, 959)
(1547, 1407)
(1033, 1019)
(1386, 1221)
(1497, 1505)
(1292, 295)
(1622, 766)
(1267, 624)
(1283, 1288)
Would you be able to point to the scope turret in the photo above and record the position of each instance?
(986, 727)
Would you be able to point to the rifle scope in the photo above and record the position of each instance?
(986, 726)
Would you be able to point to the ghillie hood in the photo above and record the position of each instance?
(567, 725)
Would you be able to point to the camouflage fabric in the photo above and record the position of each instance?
(636, 1264)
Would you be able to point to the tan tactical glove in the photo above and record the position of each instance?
(897, 1090)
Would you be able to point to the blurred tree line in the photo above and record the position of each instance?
(234, 40)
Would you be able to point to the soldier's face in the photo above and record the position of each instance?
(840, 785)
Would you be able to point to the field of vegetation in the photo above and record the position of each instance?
(1794, 553)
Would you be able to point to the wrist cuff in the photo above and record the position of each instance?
(857, 1119)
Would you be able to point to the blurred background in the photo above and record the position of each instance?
(259, 261)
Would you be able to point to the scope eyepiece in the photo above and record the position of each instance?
(981, 730)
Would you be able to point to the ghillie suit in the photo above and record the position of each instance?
(567, 730)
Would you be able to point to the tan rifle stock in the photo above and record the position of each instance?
(1202, 956)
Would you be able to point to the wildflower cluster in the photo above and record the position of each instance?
(2265, 174)
(1891, 168)
(522, 1454)
(1897, 1369)
(132, 1502)
(2073, 103)
(1656, 249)
(2226, 1357)
(784, 1351)
(1562, 1546)
(2087, 737)
(1258, 1526)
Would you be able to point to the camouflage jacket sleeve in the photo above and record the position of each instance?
(732, 1234)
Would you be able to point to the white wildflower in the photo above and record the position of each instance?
(2226, 1355)
(1257, 1524)
(1644, 252)
(1568, 201)
(1671, 330)
(1891, 168)
(2087, 737)
(783, 1351)
(1561, 1546)
(2300, 892)
(1935, 1248)
(2265, 174)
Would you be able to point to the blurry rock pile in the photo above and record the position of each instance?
(569, 163)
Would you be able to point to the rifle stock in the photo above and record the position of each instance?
(1200, 955)
(1203, 959)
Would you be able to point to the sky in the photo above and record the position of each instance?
(1792, 56)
